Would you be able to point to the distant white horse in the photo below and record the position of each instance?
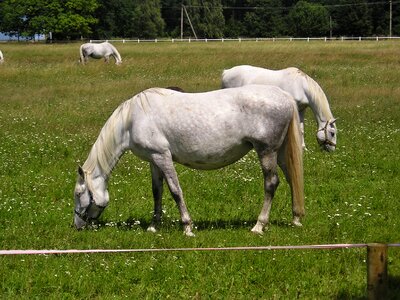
(202, 131)
(99, 51)
(302, 87)
(1, 57)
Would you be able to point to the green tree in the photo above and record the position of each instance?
(353, 18)
(171, 14)
(115, 19)
(146, 20)
(265, 19)
(12, 18)
(206, 17)
(308, 20)
(380, 18)
(396, 19)
(234, 14)
(64, 18)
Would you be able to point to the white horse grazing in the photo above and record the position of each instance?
(302, 87)
(1, 57)
(202, 131)
(98, 51)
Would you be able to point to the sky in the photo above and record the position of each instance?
(5, 37)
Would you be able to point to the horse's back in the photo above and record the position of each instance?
(212, 129)
(97, 50)
(219, 101)
(246, 74)
(232, 112)
(291, 80)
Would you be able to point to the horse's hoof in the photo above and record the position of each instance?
(189, 234)
(257, 230)
(151, 229)
(296, 222)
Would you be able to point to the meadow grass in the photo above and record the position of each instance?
(52, 110)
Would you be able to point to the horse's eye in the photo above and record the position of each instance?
(332, 134)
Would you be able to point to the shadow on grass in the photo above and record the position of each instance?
(132, 223)
(392, 292)
(129, 224)
(234, 224)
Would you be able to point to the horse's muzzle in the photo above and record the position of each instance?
(328, 148)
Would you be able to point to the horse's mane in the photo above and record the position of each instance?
(318, 97)
(107, 149)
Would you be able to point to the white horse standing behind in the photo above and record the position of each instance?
(202, 131)
(302, 87)
(1, 57)
(97, 51)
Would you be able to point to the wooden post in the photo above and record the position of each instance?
(377, 270)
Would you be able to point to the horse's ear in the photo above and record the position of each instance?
(81, 172)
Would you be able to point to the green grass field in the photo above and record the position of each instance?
(52, 110)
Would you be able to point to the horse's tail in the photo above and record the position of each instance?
(82, 59)
(223, 79)
(294, 165)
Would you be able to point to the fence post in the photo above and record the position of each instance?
(377, 270)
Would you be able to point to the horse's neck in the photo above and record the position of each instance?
(117, 56)
(115, 53)
(110, 145)
(318, 102)
(97, 167)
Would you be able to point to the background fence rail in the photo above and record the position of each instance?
(289, 39)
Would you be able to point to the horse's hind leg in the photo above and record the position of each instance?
(271, 182)
(157, 188)
(165, 164)
(301, 119)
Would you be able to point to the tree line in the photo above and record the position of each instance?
(148, 19)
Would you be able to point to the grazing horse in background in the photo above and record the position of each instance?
(1, 57)
(202, 131)
(302, 87)
(99, 51)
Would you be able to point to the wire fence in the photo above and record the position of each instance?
(377, 258)
(245, 248)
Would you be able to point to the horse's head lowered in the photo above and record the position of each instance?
(326, 136)
(91, 198)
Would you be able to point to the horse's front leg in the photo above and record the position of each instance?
(271, 182)
(157, 188)
(165, 164)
